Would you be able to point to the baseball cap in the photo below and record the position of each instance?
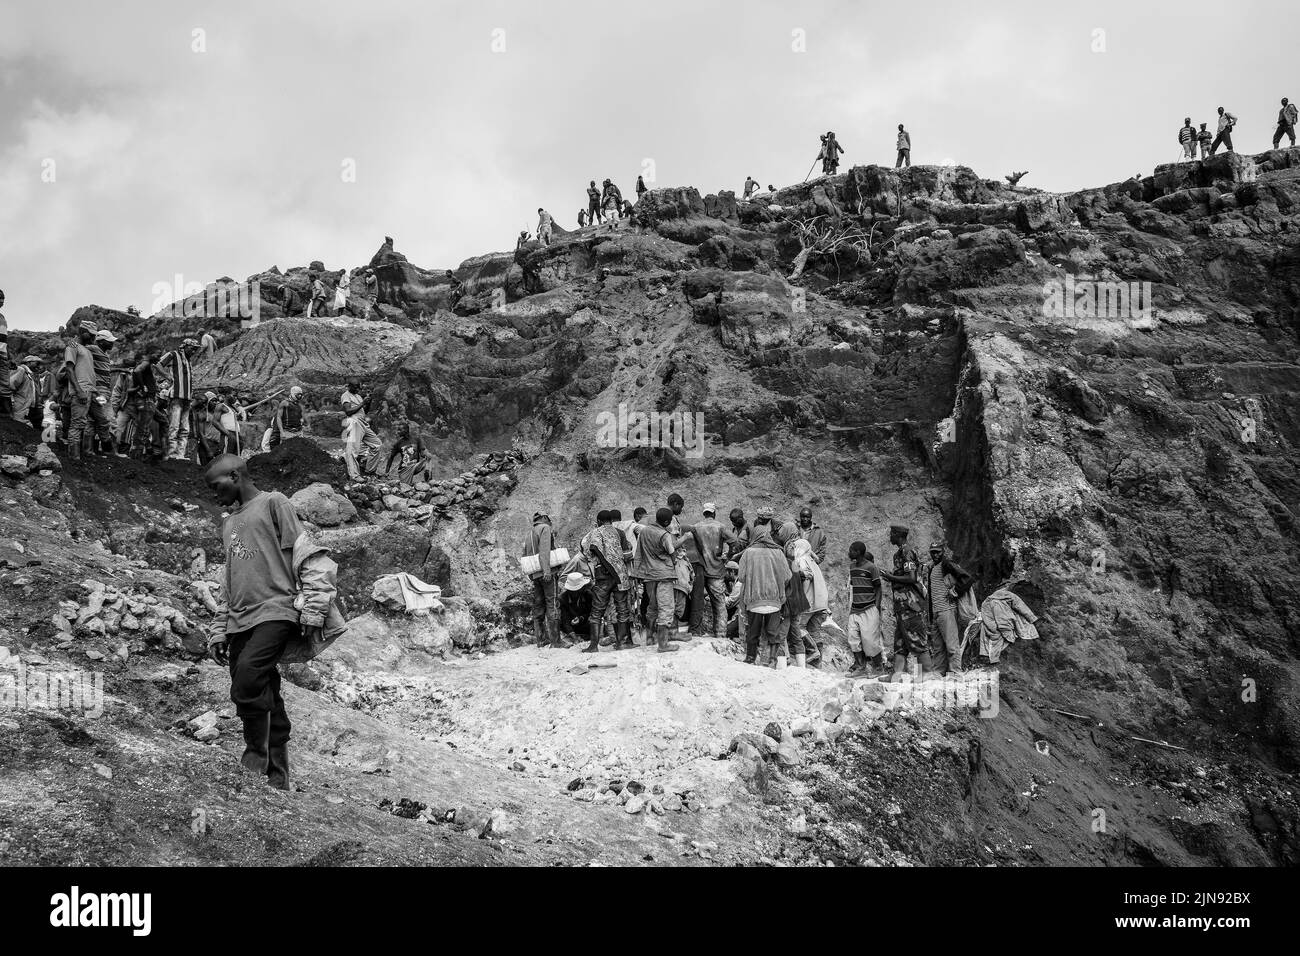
(709, 508)
(104, 335)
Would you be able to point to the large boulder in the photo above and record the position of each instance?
(320, 504)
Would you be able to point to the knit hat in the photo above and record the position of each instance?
(765, 512)
(190, 342)
(899, 528)
(104, 335)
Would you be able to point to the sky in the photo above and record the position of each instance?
(146, 144)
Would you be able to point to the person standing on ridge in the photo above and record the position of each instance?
(594, 212)
(831, 150)
(751, 187)
(1187, 139)
(904, 144)
(612, 194)
(543, 226)
(1226, 122)
(1286, 120)
(641, 189)
(1204, 138)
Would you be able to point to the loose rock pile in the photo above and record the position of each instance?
(492, 476)
(116, 622)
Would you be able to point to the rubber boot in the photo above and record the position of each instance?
(801, 660)
(539, 633)
(596, 630)
(900, 664)
(927, 671)
(257, 736)
(859, 663)
(277, 770)
(662, 634)
(623, 636)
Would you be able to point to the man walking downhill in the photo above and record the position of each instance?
(909, 604)
(1286, 120)
(904, 145)
(1226, 122)
(279, 591)
(654, 565)
(1187, 139)
(176, 364)
(946, 582)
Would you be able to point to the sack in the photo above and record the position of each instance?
(968, 607)
(531, 564)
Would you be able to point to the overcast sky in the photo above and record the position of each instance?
(166, 160)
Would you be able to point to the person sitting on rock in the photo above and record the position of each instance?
(279, 591)
(414, 461)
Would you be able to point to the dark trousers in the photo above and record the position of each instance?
(766, 626)
(1224, 137)
(545, 611)
(1283, 129)
(36, 415)
(254, 678)
(698, 597)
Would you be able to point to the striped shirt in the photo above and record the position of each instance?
(864, 587)
(182, 385)
(939, 599)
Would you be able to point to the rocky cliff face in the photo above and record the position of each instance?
(1090, 395)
